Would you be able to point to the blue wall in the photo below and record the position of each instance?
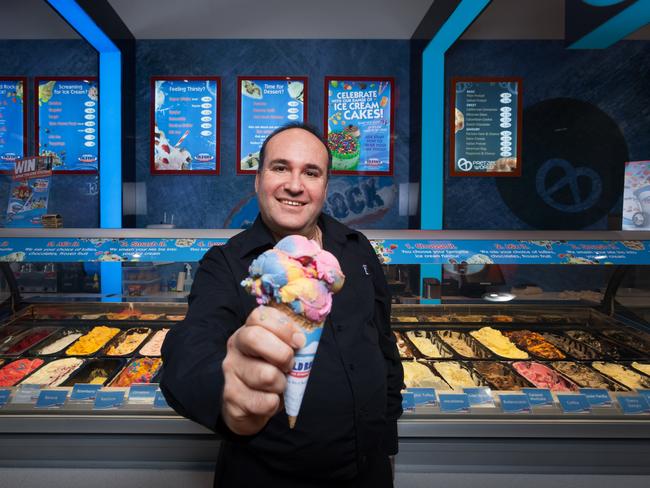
(615, 80)
(72, 196)
(226, 200)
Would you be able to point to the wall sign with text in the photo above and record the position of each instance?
(359, 124)
(485, 127)
(185, 115)
(13, 122)
(264, 104)
(67, 123)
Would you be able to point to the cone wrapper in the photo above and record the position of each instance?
(303, 361)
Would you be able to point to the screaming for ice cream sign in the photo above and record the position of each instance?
(359, 124)
(185, 125)
(265, 103)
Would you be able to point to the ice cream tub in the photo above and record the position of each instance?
(96, 372)
(26, 340)
(57, 342)
(139, 370)
(127, 342)
(9, 334)
(463, 344)
(500, 376)
(586, 377)
(91, 342)
(572, 349)
(54, 372)
(607, 348)
(542, 376)
(457, 375)
(418, 374)
(154, 343)
(630, 339)
(428, 345)
(623, 374)
(15, 371)
(498, 344)
(534, 344)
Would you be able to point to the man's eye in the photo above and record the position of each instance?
(312, 173)
(279, 169)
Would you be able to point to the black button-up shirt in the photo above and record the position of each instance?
(352, 402)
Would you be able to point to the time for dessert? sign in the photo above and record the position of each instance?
(265, 103)
(359, 124)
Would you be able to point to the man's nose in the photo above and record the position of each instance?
(294, 184)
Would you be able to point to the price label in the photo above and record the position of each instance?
(597, 397)
(479, 396)
(633, 404)
(423, 396)
(51, 398)
(108, 399)
(4, 397)
(84, 392)
(574, 403)
(513, 403)
(143, 392)
(159, 400)
(538, 397)
(408, 401)
(454, 402)
(26, 394)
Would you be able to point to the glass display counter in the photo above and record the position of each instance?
(509, 343)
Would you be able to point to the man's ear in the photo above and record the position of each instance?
(257, 181)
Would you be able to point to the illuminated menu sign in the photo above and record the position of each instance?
(12, 122)
(67, 123)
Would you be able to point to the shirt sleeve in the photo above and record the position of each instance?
(194, 350)
(388, 345)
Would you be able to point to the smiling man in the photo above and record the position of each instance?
(225, 365)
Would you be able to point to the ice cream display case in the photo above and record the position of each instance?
(519, 339)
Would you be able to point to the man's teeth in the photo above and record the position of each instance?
(292, 203)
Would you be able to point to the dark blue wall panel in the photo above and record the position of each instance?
(75, 197)
(226, 200)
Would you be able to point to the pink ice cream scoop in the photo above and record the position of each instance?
(297, 273)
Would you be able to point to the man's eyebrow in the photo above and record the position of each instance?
(279, 161)
(314, 166)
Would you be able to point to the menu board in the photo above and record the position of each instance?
(636, 196)
(265, 103)
(185, 125)
(486, 122)
(12, 122)
(359, 124)
(67, 123)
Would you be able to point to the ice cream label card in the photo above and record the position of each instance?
(539, 397)
(67, 122)
(359, 124)
(454, 402)
(84, 392)
(485, 127)
(265, 103)
(4, 397)
(408, 401)
(26, 394)
(108, 399)
(645, 394)
(597, 397)
(185, 123)
(514, 403)
(159, 400)
(633, 404)
(142, 392)
(51, 398)
(423, 396)
(12, 122)
(479, 397)
(574, 403)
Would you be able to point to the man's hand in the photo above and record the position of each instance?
(259, 355)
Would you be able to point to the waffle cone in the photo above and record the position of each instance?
(298, 319)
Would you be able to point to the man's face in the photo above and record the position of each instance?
(292, 186)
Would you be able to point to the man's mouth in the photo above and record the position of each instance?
(291, 203)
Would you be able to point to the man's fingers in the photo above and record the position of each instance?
(261, 376)
(279, 323)
(258, 342)
(242, 402)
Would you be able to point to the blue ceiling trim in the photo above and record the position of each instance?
(617, 27)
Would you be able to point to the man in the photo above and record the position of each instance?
(225, 365)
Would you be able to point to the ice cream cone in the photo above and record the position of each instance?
(298, 278)
(304, 359)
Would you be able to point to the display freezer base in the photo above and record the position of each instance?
(168, 451)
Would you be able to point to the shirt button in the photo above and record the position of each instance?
(339, 328)
(351, 365)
